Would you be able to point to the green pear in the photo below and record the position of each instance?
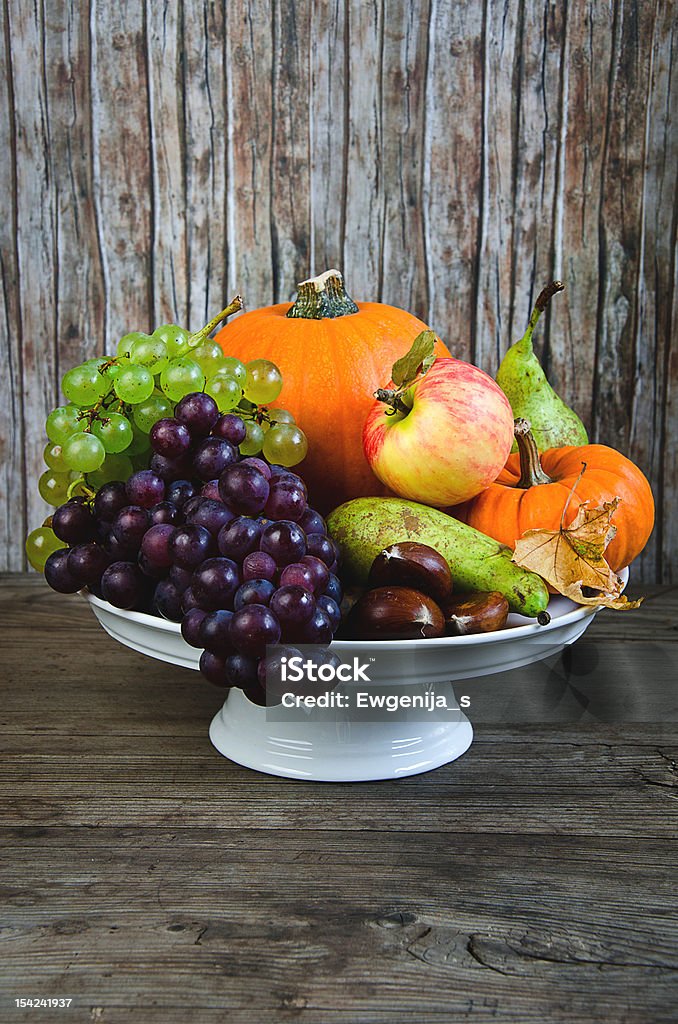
(524, 383)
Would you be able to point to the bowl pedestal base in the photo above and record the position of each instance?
(333, 746)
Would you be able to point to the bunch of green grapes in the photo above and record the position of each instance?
(102, 433)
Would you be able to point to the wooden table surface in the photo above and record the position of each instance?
(149, 879)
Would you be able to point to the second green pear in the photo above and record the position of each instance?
(523, 381)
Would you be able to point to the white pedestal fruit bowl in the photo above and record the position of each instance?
(339, 747)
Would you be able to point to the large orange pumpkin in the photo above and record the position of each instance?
(532, 490)
(333, 354)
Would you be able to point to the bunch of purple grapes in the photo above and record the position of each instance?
(224, 544)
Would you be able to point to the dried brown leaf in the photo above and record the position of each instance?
(571, 559)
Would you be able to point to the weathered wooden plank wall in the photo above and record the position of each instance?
(451, 158)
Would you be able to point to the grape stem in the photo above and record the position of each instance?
(234, 306)
(93, 414)
(88, 493)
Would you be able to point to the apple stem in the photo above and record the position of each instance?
(393, 399)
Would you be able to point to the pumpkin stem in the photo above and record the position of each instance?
(531, 471)
(543, 299)
(322, 298)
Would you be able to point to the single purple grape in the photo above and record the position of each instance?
(334, 589)
(130, 525)
(103, 528)
(192, 504)
(123, 585)
(116, 551)
(331, 610)
(298, 575)
(190, 545)
(269, 673)
(253, 628)
(284, 541)
(155, 545)
(199, 412)
(321, 547)
(259, 464)
(170, 437)
(171, 470)
(213, 515)
(312, 523)
(181, 578)
(239, 537)
(179, 491)
(190, 626)
(109, 499)
(167, 599)
(189, 601)
(256, 695)
(74, 523)
(145, 488)
(253, 592)
(292, 606)
(210, 490)
(320, 572)
(154, 572)
(285, 501)
(212, 456)
(318, 629)
(87, 563)
(244, 488)
(214, 632)
(290, 479)
(167, 513)
(231, 428)
(258, 566)
(213, 668)
(215, 582)
(58, 575)
(241, 671)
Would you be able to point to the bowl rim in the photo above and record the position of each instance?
(532, 628)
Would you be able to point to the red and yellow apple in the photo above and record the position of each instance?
(448, 440)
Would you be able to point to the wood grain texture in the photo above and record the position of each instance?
(142, 875)
(451, 158)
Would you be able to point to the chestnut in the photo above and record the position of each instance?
(395, 613)
(478, 612)
(410, 564)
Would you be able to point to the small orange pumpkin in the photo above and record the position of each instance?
(333, 354)
(531, 492)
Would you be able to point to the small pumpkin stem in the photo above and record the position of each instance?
(323, 297)
(531, 471)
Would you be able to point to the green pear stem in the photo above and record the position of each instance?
(531, 471)
(543, 299)
(234, 306)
